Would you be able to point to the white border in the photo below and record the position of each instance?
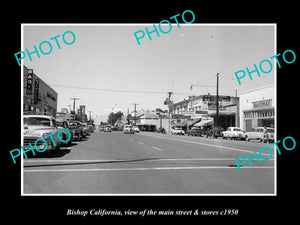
(151, 194)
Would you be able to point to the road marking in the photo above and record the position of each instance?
(156, 148)
(200, 143)
(122, 160)
(142, 169)
(140, 142)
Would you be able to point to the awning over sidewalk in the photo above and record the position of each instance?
(189, 123)
(203, 123)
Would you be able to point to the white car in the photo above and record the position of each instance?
(234, 133)
(256, 133)
(128, 129)
(177, 130)
(40, 126)
(136, 129)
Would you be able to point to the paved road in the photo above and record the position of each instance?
(149, 163)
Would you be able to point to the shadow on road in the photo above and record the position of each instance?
(51, 154)
(92, 162)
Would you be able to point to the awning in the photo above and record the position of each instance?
(203, 123)
(189, 123)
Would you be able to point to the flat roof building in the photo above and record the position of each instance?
(38, 97)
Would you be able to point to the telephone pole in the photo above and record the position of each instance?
(90, 115)
(134, 112)
(170, 104)
(74, 103)
(217, 101)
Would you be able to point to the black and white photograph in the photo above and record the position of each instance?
(148, 112)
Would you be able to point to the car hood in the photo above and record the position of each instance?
(38, 131)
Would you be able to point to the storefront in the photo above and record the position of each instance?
(257, 108)
(38, 97)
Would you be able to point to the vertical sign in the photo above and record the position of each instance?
(29, 82)
(36, 91)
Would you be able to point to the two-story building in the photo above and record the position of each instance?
(38, 97)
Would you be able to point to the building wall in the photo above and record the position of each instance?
(153, 119)
(257, 108)
(47, 97)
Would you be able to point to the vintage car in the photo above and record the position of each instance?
(91, 128)
(84, 128)
(269, 135)
(194, 131)
(257, 133)
(63, 123)
(107, 129)
(214, 132)
(128, 129)
(39, 126)
(177, 130)
(234, 133)
(76, 129)
(136, 129)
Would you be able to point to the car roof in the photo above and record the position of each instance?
(40, 116)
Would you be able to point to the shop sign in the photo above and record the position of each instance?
(36, 91)
(29, 82)
(262, 104)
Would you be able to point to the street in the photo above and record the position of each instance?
(149, 163)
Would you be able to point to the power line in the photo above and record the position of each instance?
(116, 90)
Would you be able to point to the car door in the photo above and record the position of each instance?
(251, 134)
(259, 133)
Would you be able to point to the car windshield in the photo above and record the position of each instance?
(37, 121)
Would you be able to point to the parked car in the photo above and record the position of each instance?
(63, 123)
(136, 129)
(269, 135)
(76, 130)
(256, 133)
(215, 132)
(194, 131)
(177, 130)
(234, 133)
(128, 129)
(91, 128)
(86, 130)
(39, 126)
(107, 129)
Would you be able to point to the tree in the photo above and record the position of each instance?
(113, 117)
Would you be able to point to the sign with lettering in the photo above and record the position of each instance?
(36, 91)
(262, 104)
(29, 82)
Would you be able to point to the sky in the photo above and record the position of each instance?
(107, 56)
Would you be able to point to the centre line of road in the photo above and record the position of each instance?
(140, 142)
(156, 148)
(199, 143)
(143, 169)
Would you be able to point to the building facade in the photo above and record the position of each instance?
(257, 108)
(203, 106)
(38, 97)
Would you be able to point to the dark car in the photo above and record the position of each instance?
(62, 123)
(194, 131)
(215, 132)
(76, 130)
